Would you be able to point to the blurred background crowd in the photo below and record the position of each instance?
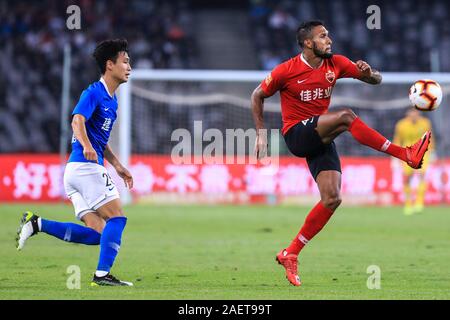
(33, 34)
(410, 31)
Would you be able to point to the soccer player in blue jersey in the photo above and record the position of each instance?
(86, 181)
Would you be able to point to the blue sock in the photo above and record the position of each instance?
(70, 232)
(110, 242)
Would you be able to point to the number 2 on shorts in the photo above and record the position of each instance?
(109, 181)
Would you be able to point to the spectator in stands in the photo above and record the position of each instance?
(33, 35)
(275, 20)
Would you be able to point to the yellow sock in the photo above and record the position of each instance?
(420, 198)
(408, 209)
(407, 194)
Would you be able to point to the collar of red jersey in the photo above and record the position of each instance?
(105, 85)
(306, 62)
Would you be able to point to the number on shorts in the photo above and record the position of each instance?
(109, 181)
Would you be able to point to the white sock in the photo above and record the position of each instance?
(100, 273)
(39, 224)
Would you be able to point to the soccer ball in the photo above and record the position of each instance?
(425, 95)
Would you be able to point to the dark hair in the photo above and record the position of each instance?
(304, 30)
(109, 50)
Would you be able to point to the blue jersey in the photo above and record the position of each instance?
(100, 111)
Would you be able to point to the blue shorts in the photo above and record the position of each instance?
(303, 141)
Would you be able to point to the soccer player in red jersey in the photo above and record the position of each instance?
(305, 83)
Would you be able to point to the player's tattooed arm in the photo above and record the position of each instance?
(120, 169)
(257, 100)
(374, 78)
(368, 74)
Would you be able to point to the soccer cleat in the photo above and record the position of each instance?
(28, 227)
(289, 262)
(416, 152)
(109, 280)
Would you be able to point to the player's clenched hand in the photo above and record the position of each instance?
(364, 67)
(125, 175)
(260, 150)
(90, 154)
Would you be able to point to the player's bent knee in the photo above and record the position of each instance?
(96, 223)
(110, 210)
(347, 116)
(332, 201)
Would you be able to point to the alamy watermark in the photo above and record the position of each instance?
(74, 278)
(374, 20)
(235, 146)
(73, 22)
(374, 280)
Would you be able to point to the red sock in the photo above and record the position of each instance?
(371, 138)
(314, 222)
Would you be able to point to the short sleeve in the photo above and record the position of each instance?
(274, 81)
(87, 104)
(347, 68)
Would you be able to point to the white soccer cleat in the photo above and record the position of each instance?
(28, 227)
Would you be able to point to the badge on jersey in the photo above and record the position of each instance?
(330, 76)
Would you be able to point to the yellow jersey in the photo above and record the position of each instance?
(408, 132)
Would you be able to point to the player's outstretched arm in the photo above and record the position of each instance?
(120, 169)
(79, 131)
(368, 74)
(257, 100)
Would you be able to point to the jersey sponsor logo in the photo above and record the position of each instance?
(316, 93)
(330, 76)
(301, 81)
(107, 124)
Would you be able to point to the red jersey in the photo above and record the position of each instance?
(305, 92)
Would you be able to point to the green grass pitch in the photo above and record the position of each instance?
(227, 252)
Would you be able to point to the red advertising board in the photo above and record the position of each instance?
(156, 178)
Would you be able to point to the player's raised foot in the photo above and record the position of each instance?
(416, 152)
(289, 262)
(28, 227)
(109, 280)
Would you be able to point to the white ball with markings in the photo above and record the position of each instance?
(425, 95)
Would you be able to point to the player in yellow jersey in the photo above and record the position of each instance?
(407, 131)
